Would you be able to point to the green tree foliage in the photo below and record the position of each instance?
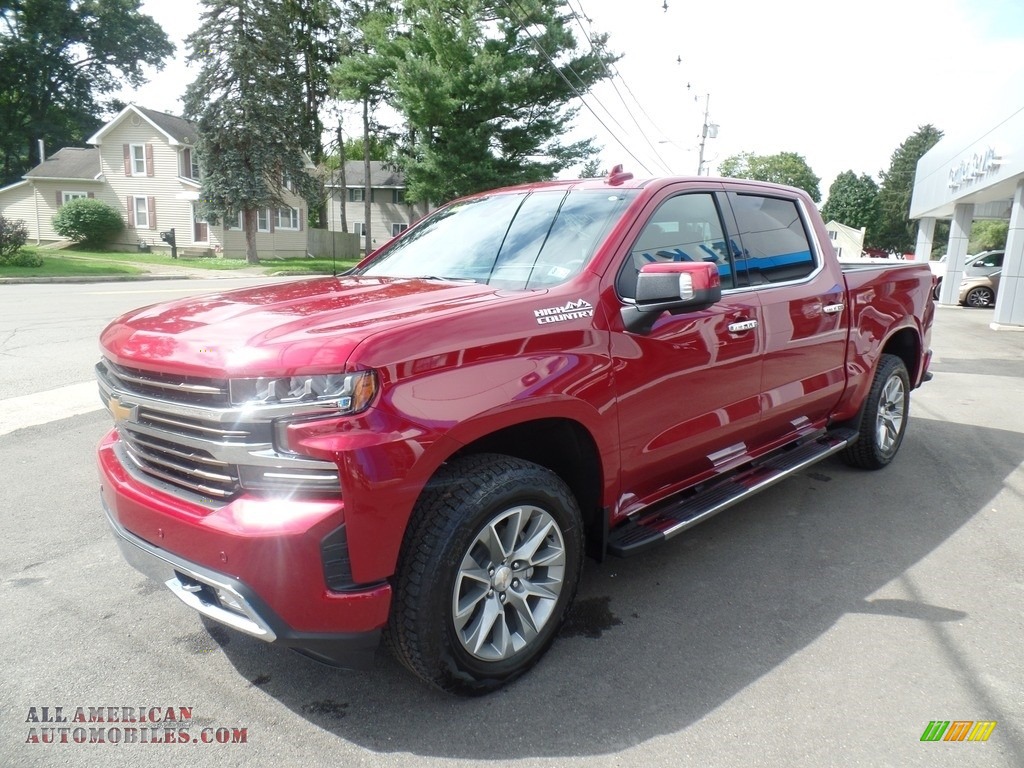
(988, 235)
(381, 150)
(782, 168)
(485, 88)
(592, 170)
(362, 76)
(89, 222)
(59, 59)
(853, 201)
(896, 232)
(247, 103)
(13, 236)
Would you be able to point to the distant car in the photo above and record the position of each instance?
(980, 290)
(978, 265)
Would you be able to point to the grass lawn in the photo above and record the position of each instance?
(58, 265)
(74, 262)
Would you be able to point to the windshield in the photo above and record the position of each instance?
(512, 240)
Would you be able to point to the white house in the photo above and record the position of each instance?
(390, 213)
(143, 163)
(848, 242)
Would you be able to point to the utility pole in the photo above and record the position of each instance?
(703, 134)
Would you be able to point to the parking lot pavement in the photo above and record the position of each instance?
(825, 623)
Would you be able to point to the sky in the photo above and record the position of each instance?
(841, 83)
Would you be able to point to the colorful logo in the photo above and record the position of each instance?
(958, 730)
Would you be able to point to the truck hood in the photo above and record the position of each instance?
(308, 326)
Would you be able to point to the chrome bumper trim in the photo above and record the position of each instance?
(193, 584)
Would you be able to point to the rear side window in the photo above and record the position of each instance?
(776, 248)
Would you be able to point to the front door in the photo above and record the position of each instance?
(200, 229)
(689, 389)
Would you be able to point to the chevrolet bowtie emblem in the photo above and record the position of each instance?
(120, 412)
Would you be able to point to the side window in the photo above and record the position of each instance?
(683, 228)
(776, 248)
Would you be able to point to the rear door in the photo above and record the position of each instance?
(802, 297)
(688, 390)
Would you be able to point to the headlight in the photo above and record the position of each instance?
(352, 391)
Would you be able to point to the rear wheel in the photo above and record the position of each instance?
(980, 297)
(487, 571)
(885, 416)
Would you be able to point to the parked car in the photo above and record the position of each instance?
(980, 290)
(978, 265)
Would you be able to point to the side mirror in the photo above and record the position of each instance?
(673, 287)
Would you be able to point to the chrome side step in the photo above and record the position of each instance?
(656, 525)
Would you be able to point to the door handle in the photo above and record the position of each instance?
(744, 325)
(833, 309)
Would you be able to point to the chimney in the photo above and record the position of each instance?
(42, 150)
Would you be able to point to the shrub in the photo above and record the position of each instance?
(23, 258)
(88, 222)
(13, 235)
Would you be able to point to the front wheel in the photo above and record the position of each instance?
(885, 416)
(487, 571)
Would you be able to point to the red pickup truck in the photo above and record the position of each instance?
(429, 445)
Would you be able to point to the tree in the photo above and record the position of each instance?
(89, 222)
(60, 58)
(781, 168)
(988, 235)
(247, 104)
(896, 232)
(592, 170)
(381, 150)
(361, 76)
(484, 86)
(314, 25)
(853, 201)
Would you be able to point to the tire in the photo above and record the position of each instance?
(885, 417)
(937, 289)
(980, 297)
(486, 573)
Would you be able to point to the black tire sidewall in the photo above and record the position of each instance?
(889, 367)
(457, 669)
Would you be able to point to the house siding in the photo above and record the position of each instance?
(383, 214)
(169, 193)
(35, 203)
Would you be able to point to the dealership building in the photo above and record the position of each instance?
(979, 176)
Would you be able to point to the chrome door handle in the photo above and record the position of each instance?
(745, 325)
(833, 309)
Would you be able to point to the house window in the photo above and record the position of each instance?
(359, 228)
(356, 195)
(140, 207)
(832, 234)
(262, 220)
(287, 218)
(189, 164)
(398, 196)
(66, 196)
(398, 228)
(138, 156)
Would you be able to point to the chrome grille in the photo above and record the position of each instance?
(194, 470)
(187, 389)
(180, 434)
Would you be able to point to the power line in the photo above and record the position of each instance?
(613, 73)
(558, 71)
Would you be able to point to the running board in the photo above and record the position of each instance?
(655, 526)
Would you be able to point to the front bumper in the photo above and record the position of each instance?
(250, 565)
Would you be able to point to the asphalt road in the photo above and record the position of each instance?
(825, 622)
